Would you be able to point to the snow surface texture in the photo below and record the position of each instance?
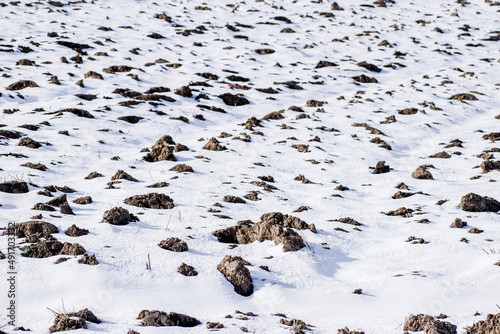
(432, 52)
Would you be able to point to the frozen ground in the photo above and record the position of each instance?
(432, 52)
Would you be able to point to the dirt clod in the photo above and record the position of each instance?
(174, 244)
(14, 187)
(477, 203)
(118, 216)
(75, 231)
(187, 270)
(159, 318)
(163, 149)
(214, 145)
(151, 200)
(233, 268)
(428, 324)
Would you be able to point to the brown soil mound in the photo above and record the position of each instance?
(365, 79)
(265, 51)
(77, 112)
(43, 207)
(37, 166)
(233, 100)
(151, 200)
(233, 268)
(428, 324)
(346, 330)
(464, 96)
(369, 67)
(75, 231)
(130, 119)
(159, 318)
(22, 84)
(48, 248)
(163, 149)
(491, 325)
(272, 115)
(458, 223)
(381, 168)
(233, 199)
(28, 142)
(187, 270)
(214, 145)
(65, 322)
(88, 259)
(83, 200)
(214, 325)
(493, 136)
(404, 212)
(182, 168)
(93, 175)
(174, 244)
(118, 216)
(489, 165)
(272, 226)
(122, 175)
(58, 201)
(14, 187)
(325, 63)
(476, 203)
(184, 91)
(441, 155)
(422, 173)
(66, 209)
(10, 134)
(118, 68)
(33, 228)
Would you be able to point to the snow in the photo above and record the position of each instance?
(313, 284)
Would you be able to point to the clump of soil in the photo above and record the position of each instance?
(298, 326)
(187, 270)
(381, 168)
(43, 207)
(66, 209)
(174, 244)
(163, 149)
(490, 325)
(422, 173)
(130, 119)
(272, 226)
(117, 68)
(408, 111)
(75, 231)
(214, 145)
(214, 325)
(184, 91)
(265, 51)
(402, 194)
(272, 115)
(458, 223)
(182, 168)
(158, 185)
(301, 148)
(83, 200)
(350, 221)
(159, 318)
(493, 136)
(476, 203)
(118, 216)
(93, 175)
(14, 187)
(404, 212)
(58, 201)
(365, 79)
(48, 248)
(37, 166)
(233, 199)
(464, 96)
(234, 270)
(369, 67)
(28, 142)
(346, 330)
(22, 84)
(77, 112)
(75, 320)
(428, 324)
(33, 229)
(65, 322)
(90, 260)
(10, 134)
(325, 63)
(122, 175)
(233, 100)
(441, 155)
(489, 165)
(151, 200)
(253, 196)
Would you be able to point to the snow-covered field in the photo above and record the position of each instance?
(319, 153)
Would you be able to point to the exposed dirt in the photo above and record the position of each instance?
(428, 324)
(75, 231)
(118, 216)
(88, 259)
(346, 330)
(233, 100)
(65, 322)
(477, 203)
(404, 212)
(187, 270)
(28, 142)
(34, 228)
(83, 200)
(48, 248)
(233, 268)
(159, 318)
(151, 200)
(464, 97)
(233, 199)
(422, 173)
(458, 223)
(174, 244)
(22, 84)
(489, 165)
(214, 145)
(14, 187)
(491, 325)
(182, 168)
(122, 175)
(163, 149)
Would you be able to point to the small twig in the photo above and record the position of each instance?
(148, 263)
(166, 228)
